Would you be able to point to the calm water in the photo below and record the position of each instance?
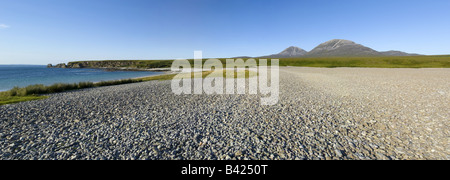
(24, 75)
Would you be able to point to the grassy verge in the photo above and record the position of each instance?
(16, 99)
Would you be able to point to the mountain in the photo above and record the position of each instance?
(289, 52)
(293, 52)
(336, 48)
(397, 53)
(341, 47)
(241, 57)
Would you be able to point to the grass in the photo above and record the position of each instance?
(371, 62)
(366, 62)
(17, 99)
(328, 62)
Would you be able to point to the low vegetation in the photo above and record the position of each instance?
(371, 62)
(138, 64)
(15, 99)
(329, 62)
(366, 62)
(33, 92)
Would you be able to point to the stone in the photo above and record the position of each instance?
(338, 153)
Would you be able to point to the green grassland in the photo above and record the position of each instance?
(327, 62)
(15, 99)
(371, 62)
(366, 62)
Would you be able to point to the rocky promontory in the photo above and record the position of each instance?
(61, 65)
(117, 64)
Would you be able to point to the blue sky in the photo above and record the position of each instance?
(53, 31)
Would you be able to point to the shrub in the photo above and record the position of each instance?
(60, 87)
(111, 83)
(82, 85)
(14, 91)
(35, 89)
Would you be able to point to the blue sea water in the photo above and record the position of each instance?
(24, 75)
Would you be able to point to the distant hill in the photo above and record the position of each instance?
(340, 48)
(241, 57)
(289, 52)
(397, 53)
(336, 48)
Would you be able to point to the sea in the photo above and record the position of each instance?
(24, 75)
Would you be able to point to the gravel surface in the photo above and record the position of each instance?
(341, 113)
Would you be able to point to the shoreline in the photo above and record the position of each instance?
(157, 71)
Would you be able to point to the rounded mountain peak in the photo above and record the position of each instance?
(338, 42)
(341, 48)
(293, 51)
(334, 44)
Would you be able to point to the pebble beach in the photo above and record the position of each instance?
(323, 113)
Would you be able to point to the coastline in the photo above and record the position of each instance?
(49, 80)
